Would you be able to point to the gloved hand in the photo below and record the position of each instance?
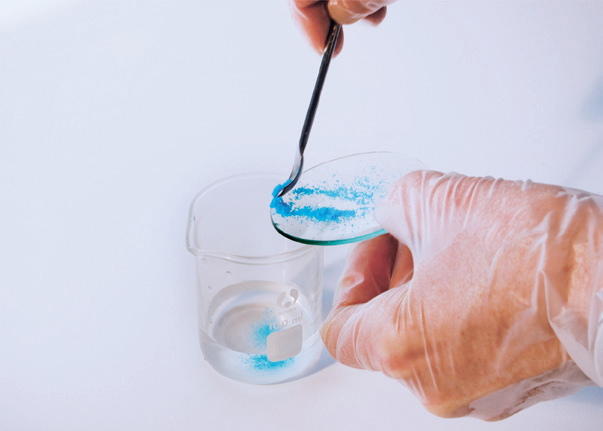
(485, 298)
(314, 16)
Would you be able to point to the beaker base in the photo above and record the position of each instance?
(256, 368)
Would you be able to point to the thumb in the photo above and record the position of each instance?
(350, 11)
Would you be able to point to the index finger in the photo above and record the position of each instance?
(367, 272)
(373, 268)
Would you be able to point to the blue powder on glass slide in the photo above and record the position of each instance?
(333, 203)
(353, 201)
(258, 338)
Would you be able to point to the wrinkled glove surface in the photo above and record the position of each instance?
(484, 298)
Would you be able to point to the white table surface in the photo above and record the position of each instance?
(113, 115)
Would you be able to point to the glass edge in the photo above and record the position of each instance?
(330, 242)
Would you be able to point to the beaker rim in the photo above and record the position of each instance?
(263, 259)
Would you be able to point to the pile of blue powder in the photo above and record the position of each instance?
(362, 195)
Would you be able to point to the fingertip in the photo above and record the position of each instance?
(349, 12)
(342, 13)
(377, 17)
(364, 335)
(339, 337)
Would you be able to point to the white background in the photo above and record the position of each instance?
(113, 115)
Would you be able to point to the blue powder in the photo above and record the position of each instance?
(259, 335)
(259, 331)
(286, 209)
(359, 196)
(261, 362)
(258, 339)
(362, 195)
(280, 187)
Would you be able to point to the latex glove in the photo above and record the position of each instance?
(314, 16)
(485, 299)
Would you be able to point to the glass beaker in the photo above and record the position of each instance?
(259, 294)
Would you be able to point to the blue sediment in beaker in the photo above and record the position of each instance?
(261, 362)
(258, 339)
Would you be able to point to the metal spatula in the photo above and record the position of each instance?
(322, 73)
